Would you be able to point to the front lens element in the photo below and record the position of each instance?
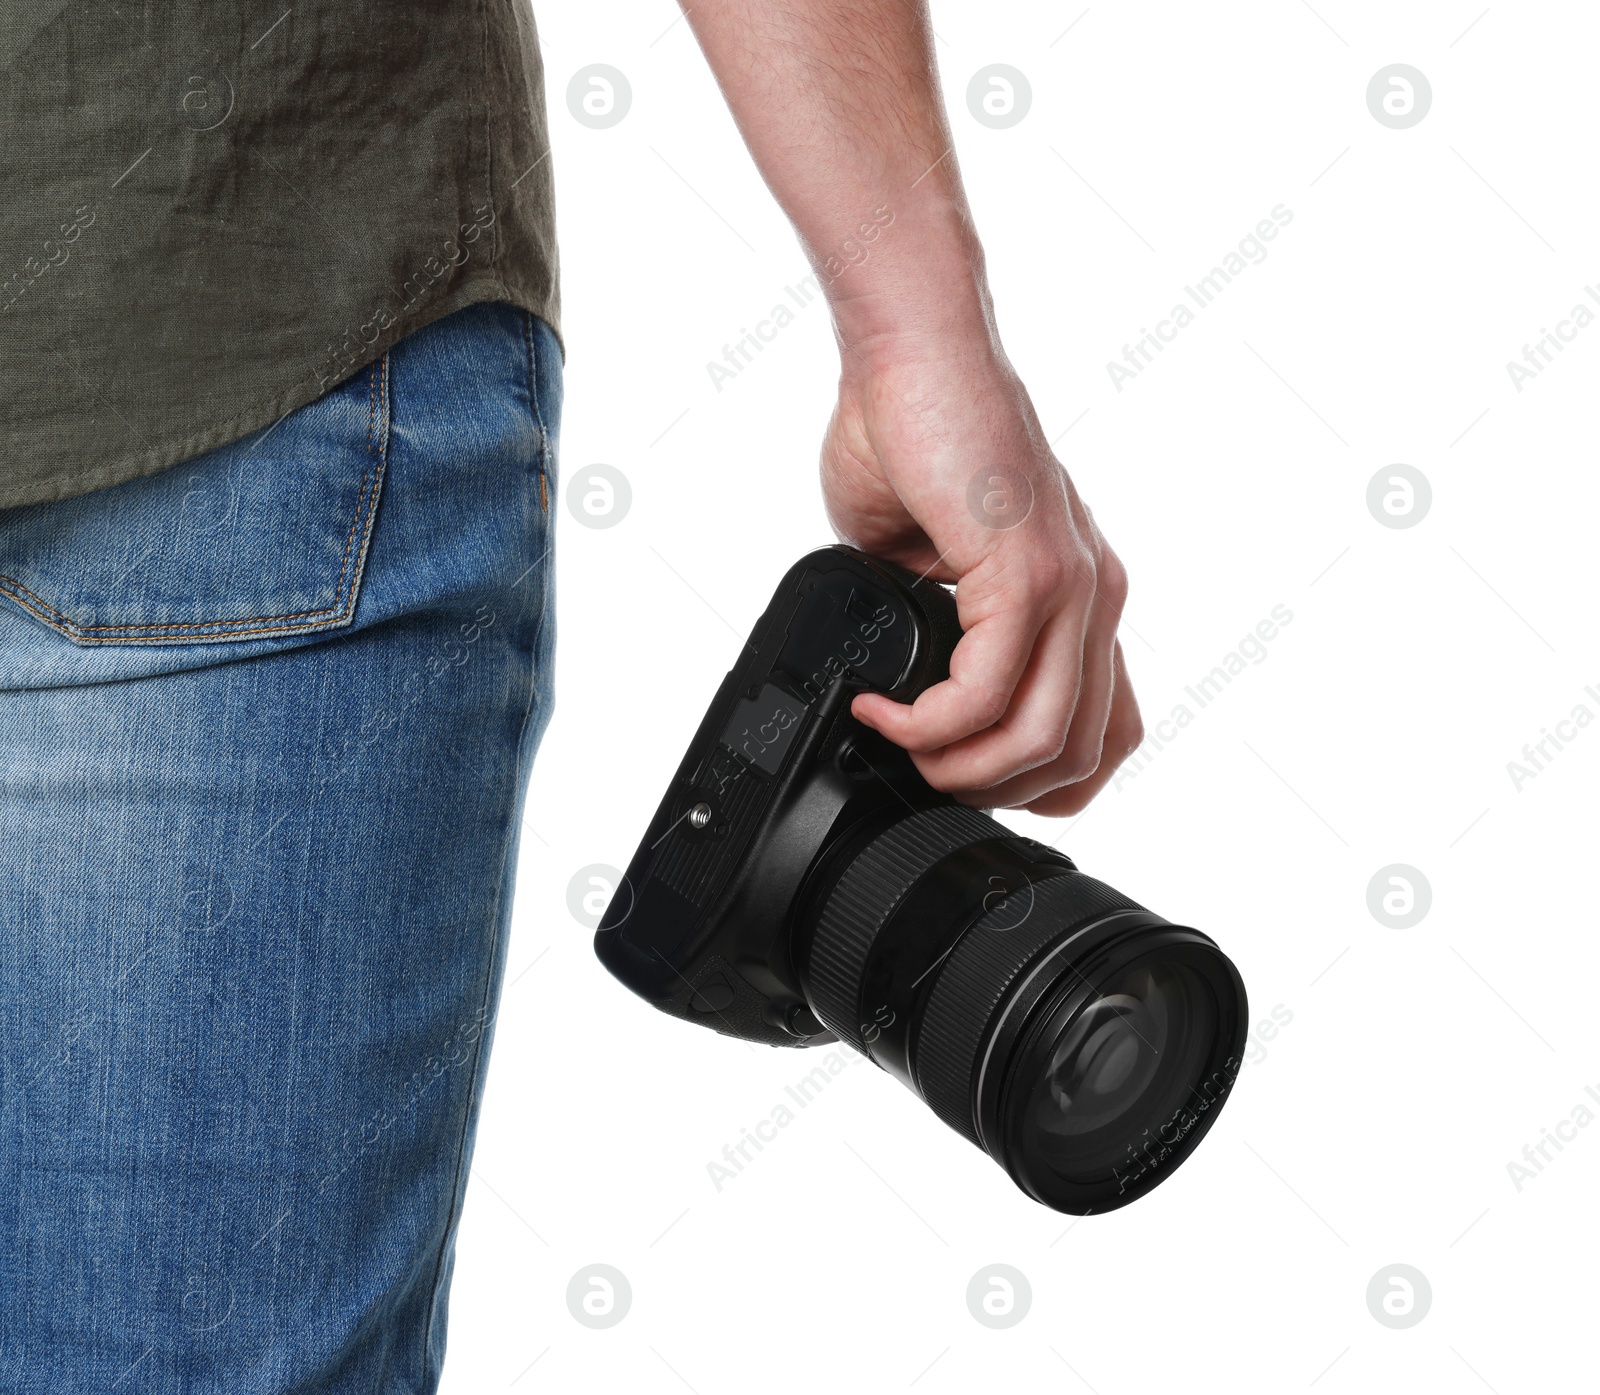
(1120, 1072)
(1104, 1061)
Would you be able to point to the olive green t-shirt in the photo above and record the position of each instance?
(212, 211)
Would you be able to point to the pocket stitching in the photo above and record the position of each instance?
(372, 479)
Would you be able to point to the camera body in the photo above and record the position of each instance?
(778, 777)
(802, 883)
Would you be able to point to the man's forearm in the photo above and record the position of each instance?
(839, 103)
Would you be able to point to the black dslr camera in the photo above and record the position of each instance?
(801, 882)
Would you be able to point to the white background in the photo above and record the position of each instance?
(1231, 476)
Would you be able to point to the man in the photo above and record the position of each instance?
(282, 412)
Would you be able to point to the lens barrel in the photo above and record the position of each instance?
(1082, 1041)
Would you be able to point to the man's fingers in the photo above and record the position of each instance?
(1037, 700)
(1033, 731)
(1080, 753)
(984, 671)
(1124, 732)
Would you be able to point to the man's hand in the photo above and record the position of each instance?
(937, 462)
(934, 458)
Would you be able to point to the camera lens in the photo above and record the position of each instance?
(1108, 1083)
(1081, 1040)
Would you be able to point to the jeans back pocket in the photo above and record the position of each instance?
(265, 536)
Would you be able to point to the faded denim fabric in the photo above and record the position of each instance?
(266, 722)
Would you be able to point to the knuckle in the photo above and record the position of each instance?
(1112, 581)
(1081, 768)
(1046, 577)
(989, 704)
(1056, 574)
(1042, 745)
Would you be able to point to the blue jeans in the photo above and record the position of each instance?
(266, 722)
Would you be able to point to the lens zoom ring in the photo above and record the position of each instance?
(869, 890)
(979, 975)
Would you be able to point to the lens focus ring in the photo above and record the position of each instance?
(867, 894)
(979, 976)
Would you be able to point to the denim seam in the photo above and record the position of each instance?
(457, 1197)
(538, 416)
(371, 480)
